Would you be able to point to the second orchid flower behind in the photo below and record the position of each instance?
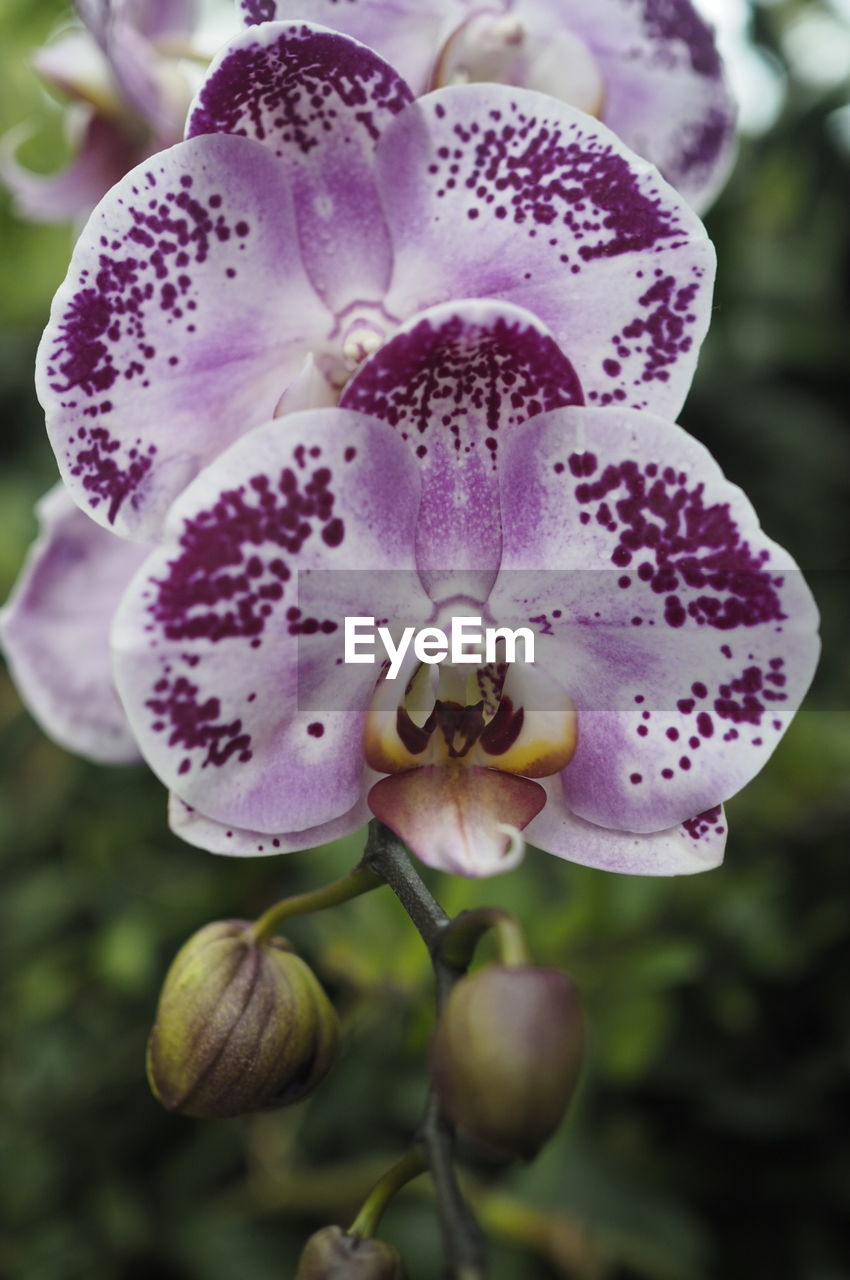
(461, 475)
(649, 69)
(127, 93)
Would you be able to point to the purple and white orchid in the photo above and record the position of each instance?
(461, 474)
(315, 208)
(649, 69)
(128, 99)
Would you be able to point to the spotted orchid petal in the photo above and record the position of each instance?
(183, 315)
(318, 101)
(664, 89)
(453, 382)
(55, 630)
(404, 32)
(217, 837)
(687, 637)
(466, 820)
(558, 217)
(236, 691)
(693, 846)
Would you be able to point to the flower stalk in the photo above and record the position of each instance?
(410, 1166)
(358, 881)
(463, 1240)
(462, 935)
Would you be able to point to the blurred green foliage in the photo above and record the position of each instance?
(710, 1137)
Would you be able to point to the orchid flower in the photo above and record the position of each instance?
(649, 69)
(460, 475)
(129, 99)
(313, 209)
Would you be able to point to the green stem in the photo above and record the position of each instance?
(360, 880)
(368, 1219)
(462, 1237)
(462, 935)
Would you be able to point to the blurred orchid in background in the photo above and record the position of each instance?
(128, 93)
(460, 474)
(235, 278)
(649, 69)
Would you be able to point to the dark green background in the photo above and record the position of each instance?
(710, 1137)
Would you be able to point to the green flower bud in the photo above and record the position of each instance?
(333, 1254)
(506, 1056)
(241, 1026)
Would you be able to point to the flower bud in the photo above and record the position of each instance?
(241, 1026)
(506, 1056)
(333, 1254)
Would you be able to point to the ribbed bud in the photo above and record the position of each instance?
(333, 1254)
(506, 1056)
(240, 1027)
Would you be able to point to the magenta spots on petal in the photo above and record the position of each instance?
(433, 378)
(703, 823)
(291, 89)
(668, 23)
(225, 583)
(257, 11)
(110, 473)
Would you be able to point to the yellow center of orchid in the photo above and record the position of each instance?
(448, 715)
(460, 750)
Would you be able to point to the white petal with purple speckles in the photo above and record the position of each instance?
(216, 837)
(504, 193)
(665, 93)
(404, 32)
(318, 101)
(184, 316)
(55, 630)
(237, 693)
(688, 638)
(453, 383)
(695, 845)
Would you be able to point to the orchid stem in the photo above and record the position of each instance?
(403, 1171)
(360, 880)
(463, 1239)
(462, 935)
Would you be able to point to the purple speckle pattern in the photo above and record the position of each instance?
(229, 581)
(101, 343)
(677, 543)
(464, 379)
(546, 197)
(673, 21)
(528, 171)
(256, 11)
(109, 472)
(297, 89)
(690, 555)
(702, 145)
(687, 638)
(706, 825)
